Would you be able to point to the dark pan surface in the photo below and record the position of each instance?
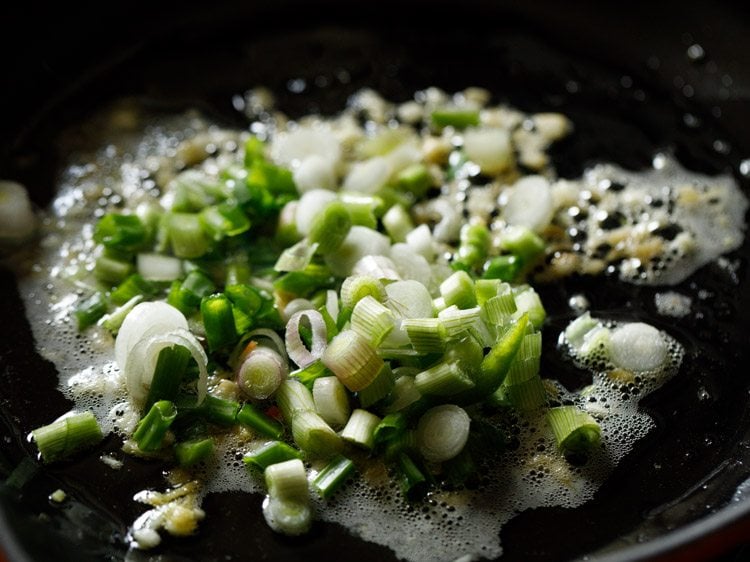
(621, 78)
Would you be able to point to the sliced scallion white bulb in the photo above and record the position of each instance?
(442, 432)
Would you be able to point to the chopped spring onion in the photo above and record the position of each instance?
(120, 232)
(360, 429)
(171, 364)
(192, 452)
(413, 481)
(114, 319)
(88, 312)
(397, 223)
(296, 347)
(218, 321)
(404, 394)
(458, 117)
(427, 335)
(390, 426)
(528, 302)
(330, 227)
(415, 179)
(141, 361)
(151, 431)
(372, 320)
(528, 204)
(522, 242)
(261, 373)
(496, 363)
(287, 507)
(313, 435)
(249, 416)
(443, 379)
(270, 453)
(333, 476)
(527, 395)
(156, 267)
(311, 373)
(505, 268)
(458, 290)
(474, 245)
(355, 288)
(111, 270)
(187, 236)
(66, 436)
(377, 389)
(287, 480)
(135, 285)
(297, 257)
(331, 400)
(219, 411)
(442, 432)
(292, 397)
(352, 359)
(575, 431)
(186, 295)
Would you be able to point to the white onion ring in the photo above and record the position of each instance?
(268, 333)
(294, 344)
(146, 318)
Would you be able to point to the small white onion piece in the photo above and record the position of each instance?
(529, 203)
(293, 147)
(377, 267)
(442, 432)
(410, 264)
(141, 362)
(407, 299)
(368, 176)
(421, 241)
(315, 172)
(490, 148)
(310, 205)
(638, 347)
(156, 267)
(295, 346)
(361, 241)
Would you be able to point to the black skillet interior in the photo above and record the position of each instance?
(627, 82)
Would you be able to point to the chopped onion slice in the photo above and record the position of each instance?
(315, 172)
(156, 267)
(442, 432)
(368, 176)
(294, 147)
(261, 373)
(310, 205)
(529, 203)
(361, 241)
(377, 267)
(295, 346)
(146, 318)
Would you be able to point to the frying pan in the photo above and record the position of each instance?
(632, 85)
